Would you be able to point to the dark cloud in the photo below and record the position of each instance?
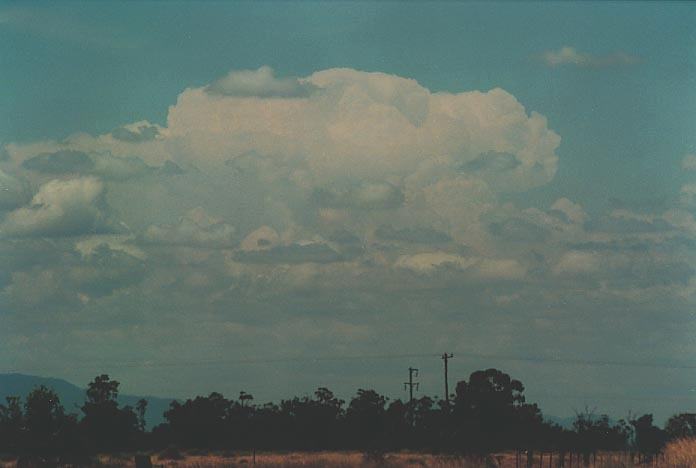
(14, 192)
(365, 197)
(62, 208)
(417, 235)
(60, 162)
(78, 162)
(142, 134)
(492, 161)
(294, 253)
(104, 271)
(169, 168)
(518, 230)
(622, 225)
(344, 236)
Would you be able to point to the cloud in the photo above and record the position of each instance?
(687, 195)
(360, 151)
(13, 191)
(196, 229)
(259, 83)
(60, 162)
(104, 270)
(480, 268)
(60, 208)
(365, 197)
(368, 127)
(689, 162)
(519, 230)
(571, 56)
(573, 212)
(577, 262)
(78, 162)
(311, 252)
(627, 222)
(263, 238)
(418, 235)
(137, 132)
(492, 161)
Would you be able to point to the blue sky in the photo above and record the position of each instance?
(554, 219)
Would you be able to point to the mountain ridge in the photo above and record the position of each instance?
(72, 396)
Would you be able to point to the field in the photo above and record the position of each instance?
(678, 454)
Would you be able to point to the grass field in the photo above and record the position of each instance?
(678, 454)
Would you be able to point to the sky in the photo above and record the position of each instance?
(277, 196)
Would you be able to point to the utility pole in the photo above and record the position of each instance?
(410, 384)
(445, 357)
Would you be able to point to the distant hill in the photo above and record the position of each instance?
(72, 397)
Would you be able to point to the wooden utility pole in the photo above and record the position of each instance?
(446, 357)
(410, 384)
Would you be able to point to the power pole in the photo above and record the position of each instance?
(445, 357)
(410, 384)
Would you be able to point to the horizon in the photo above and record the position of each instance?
(273, 197)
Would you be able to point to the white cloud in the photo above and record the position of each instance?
(688, 195)
(481, 268)
(369, 126)
(196, 229)
(60, 208)
(429, 262)
(571, 56)
(491, 268)
(259, 83)
(689, 162)
(577, 262)
(574, 211)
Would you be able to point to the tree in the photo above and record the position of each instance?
(365, 419)
(11, 425)
(490, 409)
(593, 433)
(141, 408)
(201, 422)
(681, 425)
(44, 418)
(107, 426)
(648, 438)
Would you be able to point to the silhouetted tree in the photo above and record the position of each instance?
(106, 426)
(490, 411)
(141, 409)
(365, 420)
(648, 438)
(49, 431)
(681, 425)
(11, 425)
(199, 423)
(594, 433)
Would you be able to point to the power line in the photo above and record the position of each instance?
(100, 366)
(365, 357)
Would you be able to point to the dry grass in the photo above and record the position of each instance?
(678, 454)
(681, 453)
(321, 459)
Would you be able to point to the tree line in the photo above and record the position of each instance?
(486, 413)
